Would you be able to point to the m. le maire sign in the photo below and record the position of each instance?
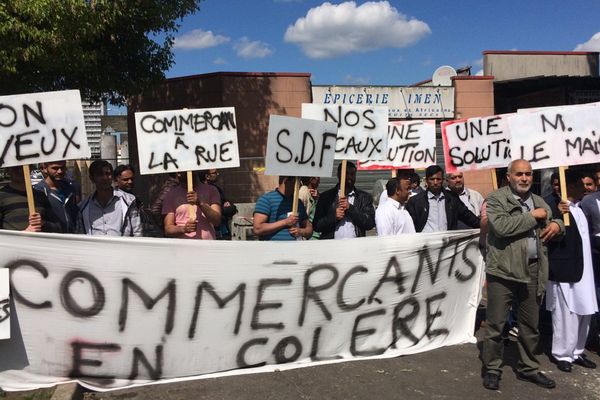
(403, 102)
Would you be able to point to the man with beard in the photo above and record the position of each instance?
(435, 210)
(346, 215)
(520, 225)
(60, 193)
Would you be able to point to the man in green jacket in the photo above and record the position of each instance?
(520, 224)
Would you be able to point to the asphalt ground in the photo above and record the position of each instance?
(446, 373)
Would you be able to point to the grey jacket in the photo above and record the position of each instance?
(130, 222)
(507, 237)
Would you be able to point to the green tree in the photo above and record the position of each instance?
(108, 49)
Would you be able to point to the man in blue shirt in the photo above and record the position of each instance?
(273, 219)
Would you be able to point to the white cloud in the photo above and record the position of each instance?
(479, 73)
(199, 39)
(478, 62)
(333, 30)
(247, 48)
(591, 45)
(219, 61)
(356, 80)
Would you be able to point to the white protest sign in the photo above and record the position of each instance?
(113, 312)
(556, 136)
(42, 127)
(4, 305)
(300, 147)
(410, 144)
(187, 140)
(362, 130)
(476, 143)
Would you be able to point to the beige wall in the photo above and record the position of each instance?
(505, 65)
(475, 98)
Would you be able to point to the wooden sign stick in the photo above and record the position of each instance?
(563, 192)
(343, 180)
(296, 195)
(494, 179)
(28, 189)
(190, 188)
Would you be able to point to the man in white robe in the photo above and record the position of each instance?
(573, 303)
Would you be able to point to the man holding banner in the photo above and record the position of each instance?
(14, 213)
(273, 217)
(344, 217)
(206, 206)
(520, 224)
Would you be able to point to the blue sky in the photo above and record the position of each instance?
(377, 42)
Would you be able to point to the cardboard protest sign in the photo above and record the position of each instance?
(300, 147)
(187, 140)
(410, 144)
(42, 127)
(476, 143)
(362, 130)
(556, 136)
(4, 305)
(112, 312)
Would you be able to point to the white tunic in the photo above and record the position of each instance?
(392, 219)
(580, 297)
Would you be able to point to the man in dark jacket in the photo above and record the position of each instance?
(436, 210)
(344, 216)
(60, 193)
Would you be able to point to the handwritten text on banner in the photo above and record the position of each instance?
(187, 140)
(41, 127)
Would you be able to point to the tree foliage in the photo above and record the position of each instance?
(108, 49)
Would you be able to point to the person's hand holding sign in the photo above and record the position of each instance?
(35, 223)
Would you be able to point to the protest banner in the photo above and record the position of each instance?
(112, 312)
(187, 140)
(476, 143)
(557, 136)
(300, 147)
(42, 127)
(362, 130)
(4, 305)
(410, 144)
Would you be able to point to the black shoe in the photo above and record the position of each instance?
(537, 378)
(584, 362)
(491, 381)
(564, 366)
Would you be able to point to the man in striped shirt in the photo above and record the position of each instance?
(14, 212)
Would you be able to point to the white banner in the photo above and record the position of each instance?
(476, 143)
(556, 136)
(300, 147)
(187, 140)
(411, 144)
(41, 127)
(113, 312)
(4, 305)
(362, 130)
(403, 102)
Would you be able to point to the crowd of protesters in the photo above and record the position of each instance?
(528, 249)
